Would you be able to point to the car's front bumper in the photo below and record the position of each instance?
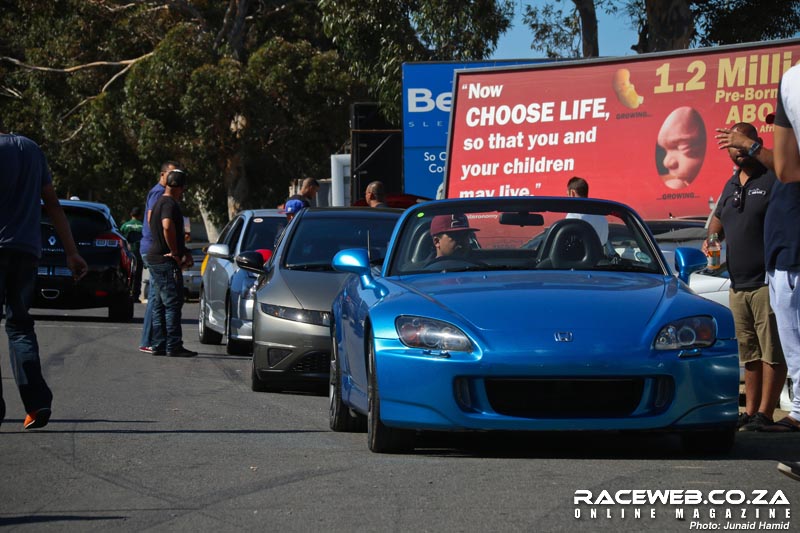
(289, 350)
(495, 392)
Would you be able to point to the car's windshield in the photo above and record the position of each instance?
(524, 234)
(317, 240)
(261, 233)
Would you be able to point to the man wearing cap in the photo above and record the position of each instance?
(290, 208)
(451, 235)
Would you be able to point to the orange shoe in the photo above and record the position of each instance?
(37, 419)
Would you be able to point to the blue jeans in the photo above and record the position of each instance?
(166, 287)
(147, 321)
(17, 282)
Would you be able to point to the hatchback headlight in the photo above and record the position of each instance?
(318, 318)
(429, 334)
(693, 332)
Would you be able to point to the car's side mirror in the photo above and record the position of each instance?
(251, 261)
(689, 261)
(355, 261)
(219, 250)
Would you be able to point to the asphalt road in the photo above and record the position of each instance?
(138, 442)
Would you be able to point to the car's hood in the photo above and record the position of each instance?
(514, 302)
(312, 290)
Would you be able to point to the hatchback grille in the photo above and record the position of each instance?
(572, 398)
(314, 363)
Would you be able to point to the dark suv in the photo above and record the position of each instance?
(108, 282)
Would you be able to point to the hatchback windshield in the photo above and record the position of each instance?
(317, 240)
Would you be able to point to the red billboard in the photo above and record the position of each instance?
(641, 130)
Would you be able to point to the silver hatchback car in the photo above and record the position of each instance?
(291, 329)
(226, 291)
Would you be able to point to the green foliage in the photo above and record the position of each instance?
(247, 100)
(556, 25)
(376, 38)
(742, 21)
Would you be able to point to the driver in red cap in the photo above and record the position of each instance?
(451, 235)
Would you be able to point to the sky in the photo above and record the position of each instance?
(616, 36)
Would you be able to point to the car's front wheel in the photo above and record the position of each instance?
(340, 416)
(709, 442)
(205, 334)
(381, 438)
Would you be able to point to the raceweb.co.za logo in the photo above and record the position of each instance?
(702, 510)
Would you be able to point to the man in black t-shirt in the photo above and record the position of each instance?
(165, 257)
(739, 220)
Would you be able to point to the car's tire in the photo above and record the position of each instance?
(709, 442)
(381, 438)
(259, 385)
(205, 334)
(120, 309)
(235, 346)
(340, 416)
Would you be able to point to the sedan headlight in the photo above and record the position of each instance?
(429, 334)
(694, 332)
(318, 318)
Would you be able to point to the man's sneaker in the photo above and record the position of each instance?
(744, 418)
(181, 352)
(146, 349)
(790, 469)
(37, 419)
(158, 351)
(757, 421)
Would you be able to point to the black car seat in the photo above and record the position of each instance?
(570, 244)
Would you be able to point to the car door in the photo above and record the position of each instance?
(218, 275)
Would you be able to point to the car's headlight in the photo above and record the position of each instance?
(429, 334)
(693, 332)
(318, 318)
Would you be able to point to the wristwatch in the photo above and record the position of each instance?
(754, 149)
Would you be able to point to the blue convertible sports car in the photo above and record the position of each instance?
(528, 314)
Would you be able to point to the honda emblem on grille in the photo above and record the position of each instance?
(51, 241)
(563, 336)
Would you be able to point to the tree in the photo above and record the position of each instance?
(376, 38)
(661, 24)
(248, 94)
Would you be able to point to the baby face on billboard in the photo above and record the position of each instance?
(681, 147)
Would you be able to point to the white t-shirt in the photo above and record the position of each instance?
(791, 99)
(598, 222)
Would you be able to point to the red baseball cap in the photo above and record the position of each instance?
(449, 224)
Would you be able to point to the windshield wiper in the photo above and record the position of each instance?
(318, 267)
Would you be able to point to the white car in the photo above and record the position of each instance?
(715, 285)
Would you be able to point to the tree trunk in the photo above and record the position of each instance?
(235, 183)
(588, 15)
(670, 26)
(212, 232)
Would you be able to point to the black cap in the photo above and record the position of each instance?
(136, 211)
